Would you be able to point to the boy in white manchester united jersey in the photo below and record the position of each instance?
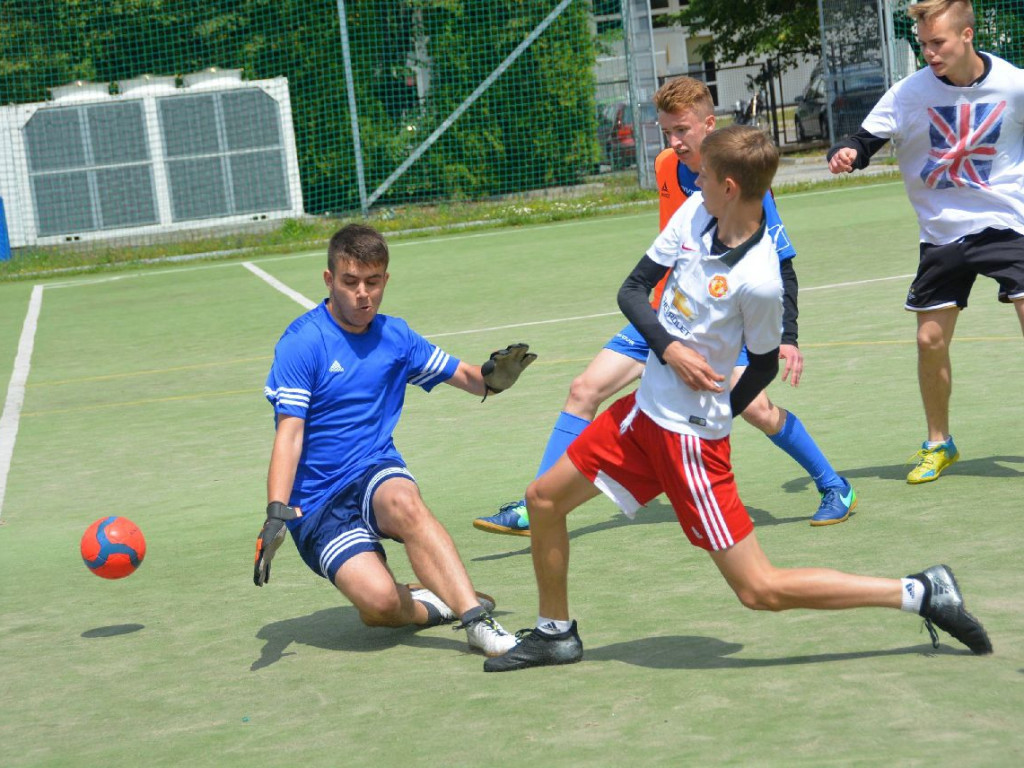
(672, 435)
(958, 126)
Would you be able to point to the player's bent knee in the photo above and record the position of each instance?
(403, 513)
(539, 504)
(379, 619)
(584, 397)
(758, 598)
(535, 499)
(761, 415)
(380, 610)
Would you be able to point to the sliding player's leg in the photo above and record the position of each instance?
(399, 512)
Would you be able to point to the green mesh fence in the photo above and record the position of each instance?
(134, 118)
(999, 29)
(869, 44)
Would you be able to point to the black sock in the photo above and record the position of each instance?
(472, 615)
(927, 591)
(434, 616)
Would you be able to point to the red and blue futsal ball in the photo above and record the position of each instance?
(113, 547)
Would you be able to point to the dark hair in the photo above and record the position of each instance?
(743, 153)
(359, 243)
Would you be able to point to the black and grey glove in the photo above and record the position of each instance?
(504, 366)
(271, 537)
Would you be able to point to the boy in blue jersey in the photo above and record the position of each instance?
(336, 480)
(686, 115)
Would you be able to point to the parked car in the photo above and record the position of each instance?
(615, 132)
(857, 89)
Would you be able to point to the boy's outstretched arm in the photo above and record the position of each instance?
(499, 372)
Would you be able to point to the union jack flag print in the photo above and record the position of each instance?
(963, 139)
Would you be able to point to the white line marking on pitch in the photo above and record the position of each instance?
(818, 192)
(305, 302)
(521, 325)
(273, 282)
(16, 389)
(852, 283)
(308, 304)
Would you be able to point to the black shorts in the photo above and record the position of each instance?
(947, 272)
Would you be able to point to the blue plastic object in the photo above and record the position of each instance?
(5, 241)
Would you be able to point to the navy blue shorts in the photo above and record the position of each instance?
(630, 343)
(947, 272)
(346, 525)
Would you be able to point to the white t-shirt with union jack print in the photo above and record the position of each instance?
(960, 149)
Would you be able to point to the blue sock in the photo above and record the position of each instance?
(567, 428)
(795, 441)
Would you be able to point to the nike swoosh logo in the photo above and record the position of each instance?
(847, 499)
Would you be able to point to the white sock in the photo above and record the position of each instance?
(913, 595)
(931, 445)
(553, 626)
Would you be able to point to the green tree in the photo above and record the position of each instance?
(743, 30)
(534, 127)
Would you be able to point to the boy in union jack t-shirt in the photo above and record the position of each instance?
(958, 126)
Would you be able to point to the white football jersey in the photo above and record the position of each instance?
(713, 304)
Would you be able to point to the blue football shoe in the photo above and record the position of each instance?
(836, 505)
(511, 520)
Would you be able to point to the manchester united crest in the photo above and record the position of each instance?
(718, 286)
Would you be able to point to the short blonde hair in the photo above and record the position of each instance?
(685, 93)
(743, 153)
(961, 12)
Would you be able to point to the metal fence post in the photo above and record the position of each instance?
(353, 114)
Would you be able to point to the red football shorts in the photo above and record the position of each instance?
(632, 460)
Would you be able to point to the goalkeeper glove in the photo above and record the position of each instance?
(271, 537)
(504, 366)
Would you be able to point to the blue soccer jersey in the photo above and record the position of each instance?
(349, 388)
(783, 245)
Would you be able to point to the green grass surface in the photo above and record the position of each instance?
(145, 399)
